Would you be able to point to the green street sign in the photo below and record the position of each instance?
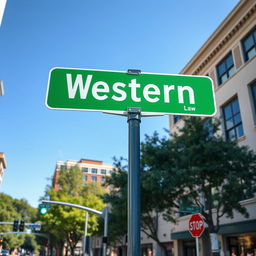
(115, 91)
(190, 209)
(47, 206)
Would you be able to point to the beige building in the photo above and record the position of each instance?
(2, 166)
(229, 58)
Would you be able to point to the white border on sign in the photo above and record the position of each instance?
(124, 113)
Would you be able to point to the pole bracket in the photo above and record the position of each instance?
(133, 114)
(134, 72)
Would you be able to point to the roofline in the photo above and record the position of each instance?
(217, 31)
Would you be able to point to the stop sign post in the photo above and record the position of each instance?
(196, 228)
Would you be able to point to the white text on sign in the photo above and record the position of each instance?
(196, 225)
(101, 89)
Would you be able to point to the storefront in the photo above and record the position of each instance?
(189, 248)
(169, 248)
(146, 250)
(242, 245)
(240, 238)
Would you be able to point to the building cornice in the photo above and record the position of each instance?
(222, 35)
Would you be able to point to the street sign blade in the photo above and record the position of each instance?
(36, 226)
(115, 91)
(190, 209)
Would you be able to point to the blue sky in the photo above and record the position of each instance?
(35, 36)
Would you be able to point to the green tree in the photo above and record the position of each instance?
(30, 244)
(66, 223)
(27, 213)
(117, 198)
(198, 163)
(11, 209)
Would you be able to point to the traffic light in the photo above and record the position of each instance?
(46, 244)
(15, 226)
(43, 209)
(22, 226)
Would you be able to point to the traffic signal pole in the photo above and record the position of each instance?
(103, 214)
(85, 233)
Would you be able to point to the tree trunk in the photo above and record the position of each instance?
(206, 246)
(163, 248)
(72, 250)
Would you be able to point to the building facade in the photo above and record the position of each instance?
(228, 57)
(94, 170)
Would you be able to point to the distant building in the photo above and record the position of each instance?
(94, 170)
(2, 166)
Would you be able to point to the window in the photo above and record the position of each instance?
(103, 171)
(94, 170)
(94, 178)
(249, 45)
(214, 199)
(207, 123)
(102, 179)
(85, 169)
(253, 88)
(225, 68)
(85, 178)
(232, 120)
(176, 118)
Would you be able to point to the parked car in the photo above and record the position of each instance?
(5, 253)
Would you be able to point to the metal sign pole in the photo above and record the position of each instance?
(105, 237)
(85, 233)
(134, 182)
(197, 246)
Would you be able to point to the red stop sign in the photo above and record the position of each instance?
(196, 225)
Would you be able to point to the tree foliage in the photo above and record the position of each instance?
(10, 210)
(65, 223)
(197, 166)
(195, 163)
(117, 198)
(202, 168)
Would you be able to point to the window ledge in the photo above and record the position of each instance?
(242, 138)
(219, 86)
